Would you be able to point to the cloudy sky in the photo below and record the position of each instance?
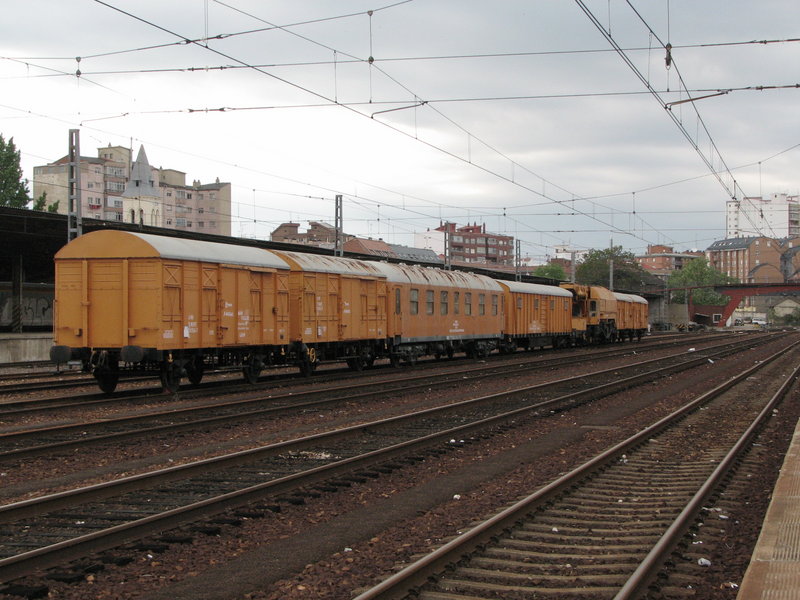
(519, 114)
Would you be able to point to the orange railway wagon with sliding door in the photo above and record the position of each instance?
(128, 300)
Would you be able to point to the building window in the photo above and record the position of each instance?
(414, 302)
(429, 302)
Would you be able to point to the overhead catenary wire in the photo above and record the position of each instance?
(322, 96)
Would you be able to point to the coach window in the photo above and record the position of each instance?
(429, 302)
(552, 304)
(535, 304)
(519, 302)
(443, 302)
(397, 306)
(494, 304)
(467, 303)
(414, 302)
(481, 304)
(456, 298)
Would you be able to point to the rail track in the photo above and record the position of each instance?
(14, 384)
(14, 408)
(609, 527)
(25, 442)
(51, 529)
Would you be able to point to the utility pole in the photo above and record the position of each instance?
(611, 265)
(74, 219)
(338, 243)
(518, 262)
(448, 250)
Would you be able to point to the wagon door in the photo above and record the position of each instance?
(209, 306)
(281, 310)
(350, 309)
(172, 306)
(227, 305)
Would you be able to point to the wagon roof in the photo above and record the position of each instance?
(333, 264)
(131, 244)
(415, 274)
(630, 298)
(536, 288)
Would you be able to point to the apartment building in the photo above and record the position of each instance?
(115, 188)
(662, 260)
(319, 233)
(756, 259)
(776, 216)
(469, 244)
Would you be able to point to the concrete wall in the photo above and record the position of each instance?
(25, 347)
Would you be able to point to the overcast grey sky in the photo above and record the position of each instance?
(519, 114)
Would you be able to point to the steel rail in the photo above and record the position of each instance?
(18, 565)
(415, 575)
(99, 399)
(404, 383)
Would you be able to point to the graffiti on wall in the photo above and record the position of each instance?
(37, 305)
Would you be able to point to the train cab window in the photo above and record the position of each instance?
(592, 307)
(414, 302)
(494, 304)
(397, 305)
(429, 302)
(443, 303)
(481, 304)
(456, 298)
(467, 303)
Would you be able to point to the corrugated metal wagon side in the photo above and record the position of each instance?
(536, 316)
(338, 310)
(154, 302)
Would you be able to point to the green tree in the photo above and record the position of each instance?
(552, 271)
(13, 189)
(41, 203)
(594, 269)
(698, 272)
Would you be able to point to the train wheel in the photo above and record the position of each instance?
(170, 377)
(356, 364)
(107, 378)
(308, 364)
(251, 372)
(195, 369)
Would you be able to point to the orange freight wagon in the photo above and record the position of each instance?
(140, 299)
(631, 316)
(337, 309)
(536, 315)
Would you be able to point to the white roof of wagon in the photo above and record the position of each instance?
(132, 244)
(536, 288)
(333, 264)
(630, 298)
(416, 275)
